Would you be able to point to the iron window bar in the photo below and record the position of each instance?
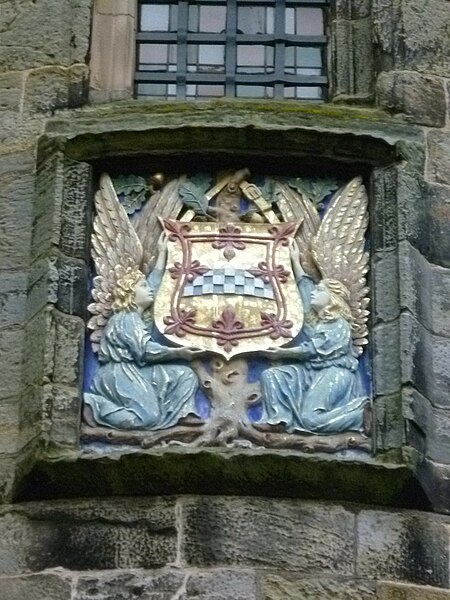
(231, 75)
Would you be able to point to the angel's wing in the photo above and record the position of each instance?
(115, 248)
(166, 203)
(338, 249)
(294, 207)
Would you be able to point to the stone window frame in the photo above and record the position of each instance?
(70, 152)
(350, 64)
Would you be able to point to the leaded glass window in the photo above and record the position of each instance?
(234, 48)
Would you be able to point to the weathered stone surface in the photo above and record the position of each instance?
(389, 590)
(39, 351)
(16, 190)
(420, 98)
(11, 366)
(167, 584)
(76, 209)
(112, 50)
(425, 361)
(438, 143)
(11, 91)
(412, 35)
(434, 422)
(87, 534)
(43, 285)
(424, 216)
(404, 546)
(425, 290)
(385, 15)
(435, 479)
(425, 40)
(50, 88)
(352, 9)
(384, 276)
(68, 349)
(24, 547)
(130, 586)
(292, 533)
(73, 276)
(47, 205)
(30, 418)
(282, 587)
(386, 358)
(384, 230)
(15, 132)
(8, 468)
(413, 152)
(222, 584)
(9, 424)
(44, 33)
(61, 420)
(13, 294)
(388, 422)
(352, 59)
(48, 586)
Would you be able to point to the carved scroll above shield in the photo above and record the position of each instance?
(230, 313)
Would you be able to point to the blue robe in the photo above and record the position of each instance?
(133, 387)
(322, 393)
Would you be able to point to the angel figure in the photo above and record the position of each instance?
(319, 389)
(135, 386)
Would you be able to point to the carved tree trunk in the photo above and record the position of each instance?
(230, 394)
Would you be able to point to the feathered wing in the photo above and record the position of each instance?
(294, 207)
(115, 248)
(165, 204)
(338, 249)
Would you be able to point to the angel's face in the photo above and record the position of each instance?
(320, 297)
(143, 297)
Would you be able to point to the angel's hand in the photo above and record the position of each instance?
(190, 353)
(294, 250)
(295, 259)
(162, 243)
(281, 353)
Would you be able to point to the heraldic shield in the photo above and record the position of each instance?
(229, 288)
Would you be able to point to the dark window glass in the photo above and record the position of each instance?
(243, 48)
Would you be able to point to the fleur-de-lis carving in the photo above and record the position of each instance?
(191, 272)
(280, 233)
(176, 230)
(176, 326)
(264, 273)
(228, 240)
(228, 325)
(279, 328)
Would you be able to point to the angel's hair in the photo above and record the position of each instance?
(339, 302)
(124, 294)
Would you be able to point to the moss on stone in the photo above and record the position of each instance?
(228, 472)
(227, 125)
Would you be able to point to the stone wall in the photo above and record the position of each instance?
(220, 548)
(393, 56)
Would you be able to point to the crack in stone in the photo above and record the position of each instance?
(180, 594)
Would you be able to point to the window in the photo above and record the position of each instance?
(235, 48)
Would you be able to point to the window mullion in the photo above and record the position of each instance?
(280, 44)
(183, 16)
(230, 49)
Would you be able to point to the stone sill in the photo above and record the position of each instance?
(183, 470)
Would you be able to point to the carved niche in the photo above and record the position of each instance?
(226, 313)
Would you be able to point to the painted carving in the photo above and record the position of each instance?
(248, 327)
(136, 386)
